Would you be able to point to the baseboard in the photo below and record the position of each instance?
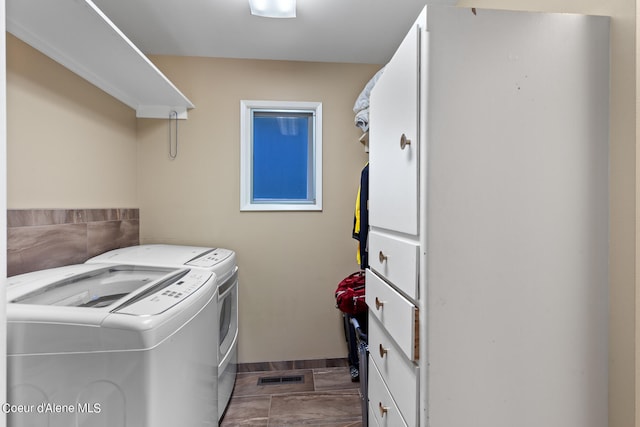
(293, 364)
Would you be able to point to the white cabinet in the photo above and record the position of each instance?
(392, 278)
(393, 196)
(400, 374)
(397, 314)
(79, 36)
(396, 260)
(488, 279)
(382, 404)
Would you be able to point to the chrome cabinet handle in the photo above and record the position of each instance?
(383, 351)
(379, 304)
(383, 409)
(382, 257)
(404, 141)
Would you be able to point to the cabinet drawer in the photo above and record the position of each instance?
(399, 374)
(381, 404)
(396, 260)
(396, 314)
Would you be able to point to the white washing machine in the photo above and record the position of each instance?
(104, 346)
(220, 261)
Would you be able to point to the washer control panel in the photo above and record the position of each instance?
(162, 299)
(210, 258)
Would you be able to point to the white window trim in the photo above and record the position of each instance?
(246, 154)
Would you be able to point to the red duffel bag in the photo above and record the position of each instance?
(350, 294)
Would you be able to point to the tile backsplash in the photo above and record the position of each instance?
(47, 238)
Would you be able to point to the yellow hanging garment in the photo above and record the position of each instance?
(356, 226)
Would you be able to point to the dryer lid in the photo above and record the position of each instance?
(166, 255)
(210, 258)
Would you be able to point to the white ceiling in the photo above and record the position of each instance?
(359, 31)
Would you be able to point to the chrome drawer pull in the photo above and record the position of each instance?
(404, 141)
(383, 351)
(383, 409)
(382, 257)
(379, 304)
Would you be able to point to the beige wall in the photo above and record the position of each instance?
(69, 145)
(3, 219)
(290, 262)
(623, 191)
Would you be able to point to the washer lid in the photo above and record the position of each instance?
(103, 307)
(100, 287)
(162, 298)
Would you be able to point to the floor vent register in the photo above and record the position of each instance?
(289, 379)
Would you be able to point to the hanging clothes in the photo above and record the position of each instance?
(361, 219)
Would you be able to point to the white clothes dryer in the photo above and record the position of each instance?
(104, 346)
(221, 262)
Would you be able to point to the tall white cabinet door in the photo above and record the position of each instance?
(517, 232)
(393, 141)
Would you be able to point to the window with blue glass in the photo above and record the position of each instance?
(281, 156)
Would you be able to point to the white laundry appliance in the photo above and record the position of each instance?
(220, 261)
(104, 346)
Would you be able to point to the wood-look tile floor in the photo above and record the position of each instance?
(327, 398)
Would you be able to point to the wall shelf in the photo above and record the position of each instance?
(79, 36)
(364, 139)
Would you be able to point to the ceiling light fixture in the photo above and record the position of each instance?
(273, 8)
